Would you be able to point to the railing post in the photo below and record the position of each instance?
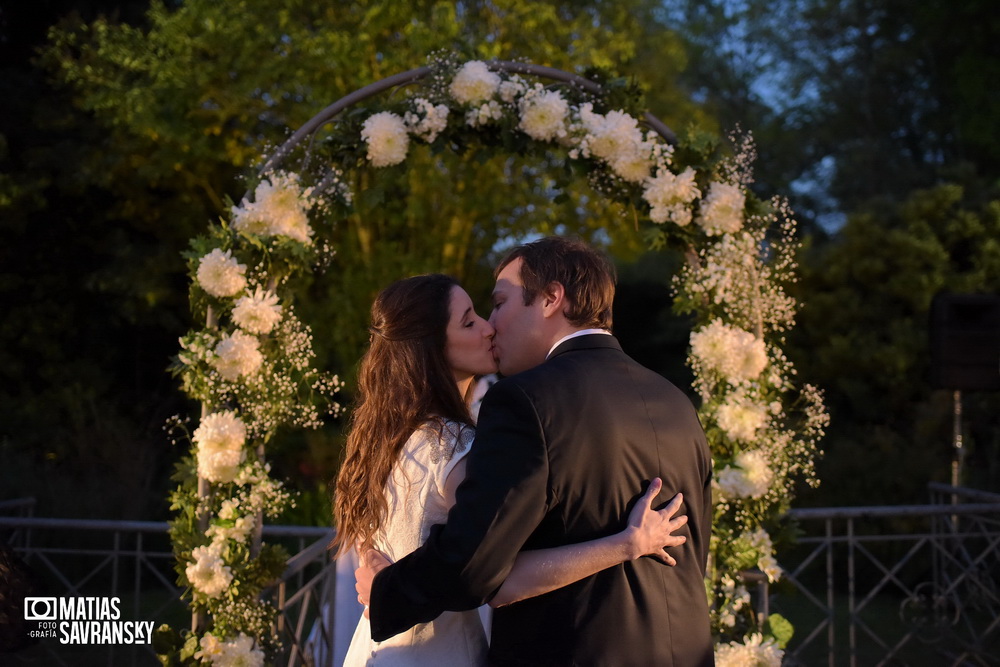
(281, 607)
(114, 560)
(830, 601)
(852, 631)
(138, 572)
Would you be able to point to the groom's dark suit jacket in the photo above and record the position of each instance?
(561, 455)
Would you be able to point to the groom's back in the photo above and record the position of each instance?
(609, 426)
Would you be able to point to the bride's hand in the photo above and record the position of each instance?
(370, 563)
(649, 531)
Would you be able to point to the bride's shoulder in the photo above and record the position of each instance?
(444, 439)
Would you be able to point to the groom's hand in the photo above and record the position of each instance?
(371, 563)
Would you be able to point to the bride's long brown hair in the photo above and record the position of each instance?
(404, 381)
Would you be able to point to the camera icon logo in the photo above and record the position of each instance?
(40, 609)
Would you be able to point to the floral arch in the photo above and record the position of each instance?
(251, 365)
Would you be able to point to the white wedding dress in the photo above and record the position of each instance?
(416, 501)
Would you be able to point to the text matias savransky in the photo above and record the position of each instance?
(85, 620)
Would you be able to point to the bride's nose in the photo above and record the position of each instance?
(488, 330)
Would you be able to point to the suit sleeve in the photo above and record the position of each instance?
(502, 500)
(707, 511)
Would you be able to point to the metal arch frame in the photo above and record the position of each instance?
(408, 77)
(327, 115)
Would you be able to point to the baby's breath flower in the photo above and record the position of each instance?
(509, 90)
(484, 114)
(426, 121)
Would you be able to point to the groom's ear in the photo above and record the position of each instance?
(553, 299)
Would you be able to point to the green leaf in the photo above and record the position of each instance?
(780, 628)
(166, 643)
(189, 649)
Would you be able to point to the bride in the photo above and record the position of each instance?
(411, 430)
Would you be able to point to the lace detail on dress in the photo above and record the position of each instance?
(455, 438)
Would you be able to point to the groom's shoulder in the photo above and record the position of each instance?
(524, 385)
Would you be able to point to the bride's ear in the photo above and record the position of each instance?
(553, 299)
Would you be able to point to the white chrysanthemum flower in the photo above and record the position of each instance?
(388, 142)
(616, 139)
(208, 574)
(741, 419)
(427, 121)
(733, 483)
(735, 354)
(220, 466)
(752, 358)
(757, 471)
(249, 219)
(237, 354)
(634, 167)
(754, 652)
(543, 115)
(474, 83)
(220, 430)
(722, 209)
(219, 439)
(258, 312)
(280, 208)
(610, 136)
(750, 477)
(670, 196)
(220, 274)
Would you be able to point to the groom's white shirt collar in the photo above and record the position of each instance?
(575, 334)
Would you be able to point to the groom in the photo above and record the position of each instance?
(564, 446)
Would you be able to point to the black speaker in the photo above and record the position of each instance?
(965, 342)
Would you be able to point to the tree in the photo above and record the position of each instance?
(853, 101)
(863, 335)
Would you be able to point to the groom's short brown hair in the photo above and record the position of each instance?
(587, 276)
